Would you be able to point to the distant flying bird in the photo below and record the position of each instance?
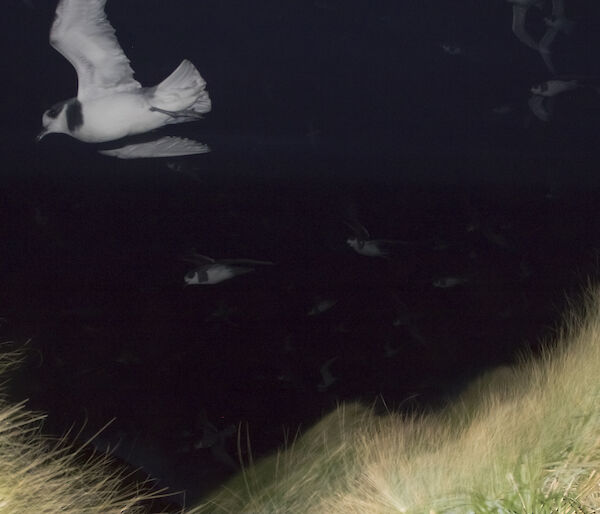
(543, 95)
(451, 49)
(541, 107)
(211, 438)
(402, 316)
(211, 271)
(450, 281)
(363, 245)
(390, 351)
(110, 103)
(222, 313)
(525, 269)
(487, 230)
(327, 378)
(555, 87)
(554, 25)
(288, 344)
(321, 4)
(508, 113)
(502, 110)
(469, 53)
(184, 168)
(321, 305)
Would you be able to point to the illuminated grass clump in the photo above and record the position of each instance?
(524, 439)
(41, 475)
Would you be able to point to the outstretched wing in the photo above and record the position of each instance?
(518, 26)
(541, 107)
(558, 23)
(198, 259)
(244, 262)
(83, 35)
(545, 50)
(360, 231)
(248, 262)
(167, 146)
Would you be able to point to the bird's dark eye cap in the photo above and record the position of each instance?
(54, 111)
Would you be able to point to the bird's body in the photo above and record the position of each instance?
(110, 104)
(451, 49)
(322, 305)
(554, 87)
(363, 245)
(112, 117)
(212, 271)
(543, 95)
(372, 247)
(450, 281)
(214, 274)
(327, 379)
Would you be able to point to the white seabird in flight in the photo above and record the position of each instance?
(555, 87)
(452, 49)
(327, 378)
(211, 271)
(543, 95)
(363, 245)
(110, 104)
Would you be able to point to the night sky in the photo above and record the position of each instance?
(325, 114)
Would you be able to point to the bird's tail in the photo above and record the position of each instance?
(183, 91)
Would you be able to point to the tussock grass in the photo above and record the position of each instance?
(522, 439)
(41, 475)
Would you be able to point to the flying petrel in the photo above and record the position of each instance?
(110, 104)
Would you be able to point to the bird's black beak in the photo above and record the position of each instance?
(41, 135)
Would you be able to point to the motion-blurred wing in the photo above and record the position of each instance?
(244, 261)
(390, 243)
(200, 260)
(360, 231)
(518, 26)
(542, 107)
(168, 146)
(83, 35)
(545, 51)
(547, 39)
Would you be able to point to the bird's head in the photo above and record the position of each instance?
(54, 120)
(191, 278)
